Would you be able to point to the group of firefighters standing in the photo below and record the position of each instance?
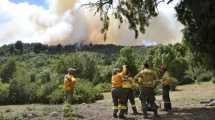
(124, 87)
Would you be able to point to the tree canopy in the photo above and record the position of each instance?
(198, 16)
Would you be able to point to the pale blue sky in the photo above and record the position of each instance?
(35, 2)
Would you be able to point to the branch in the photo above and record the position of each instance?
(169, 1)
(160, 2)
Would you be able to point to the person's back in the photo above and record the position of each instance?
(117, 80)
(118, 95)
(146, 78)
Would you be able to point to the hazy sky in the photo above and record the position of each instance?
(35, 2)
(62, 21)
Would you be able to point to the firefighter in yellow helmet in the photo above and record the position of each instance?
(69, 83)
(146, 79)
(129, 86)
(119, 96)
(166, 82)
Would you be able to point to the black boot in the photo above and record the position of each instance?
(135, 111)
(145, 115)
(156, 113)
(122, 114)
(167, 107)
(115, 113)
(126, 111)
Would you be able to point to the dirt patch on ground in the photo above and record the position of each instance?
(186, 106)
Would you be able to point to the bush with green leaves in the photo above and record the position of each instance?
(19, 93)
(213, 80)
(85, 92)
(68, 111)
(185, 80)
(8, 69)
(126, 57)
(103, 87)
(57, 96)
(174, 84)
(45, 90)
(4, 93)
(205, 76)
(37, 76)
(103, 74)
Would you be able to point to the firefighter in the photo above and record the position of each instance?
(129, 86)
(146, 79)
(119, 96)
(166, 81)
(69, 84)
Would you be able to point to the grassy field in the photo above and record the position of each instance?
(186, 103)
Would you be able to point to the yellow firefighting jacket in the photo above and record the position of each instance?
(117, 80)
(129, 83)
(146, 78)
(69, 82)
(166, 79)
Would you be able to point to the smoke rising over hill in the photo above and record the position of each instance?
(65, 22)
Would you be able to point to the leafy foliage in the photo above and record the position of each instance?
(38, 77)
(198, 17)
(8, 69)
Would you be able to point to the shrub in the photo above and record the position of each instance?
(68, 111)
(206, 76)
(213, 80)
(103, 87)
(185, 80)
(7, 70)
(103, 74)
(85, 92)
(174, 84)
(4, 93)
(18, 92)
(57, 95)
(45, 90)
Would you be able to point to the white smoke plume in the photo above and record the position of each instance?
(65, 22)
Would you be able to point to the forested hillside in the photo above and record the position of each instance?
(33, 73)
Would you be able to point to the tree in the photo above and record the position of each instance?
(127, 58)
(8, 69)
(38, 47)
(61, 67)
(19, 46)
(198, 17)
